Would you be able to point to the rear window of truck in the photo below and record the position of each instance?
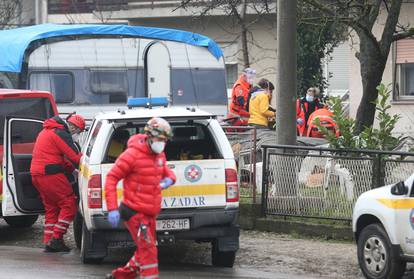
(189, 142)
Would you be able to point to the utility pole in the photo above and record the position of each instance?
(40, 11)
(286, 72)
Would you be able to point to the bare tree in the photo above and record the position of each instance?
(237, 10)
(361, 16)
(9, 13)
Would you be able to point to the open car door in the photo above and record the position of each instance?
(20, 197)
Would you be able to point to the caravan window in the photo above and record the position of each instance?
(59, 84)
(109, 82)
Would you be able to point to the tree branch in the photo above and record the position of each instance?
(403, 35)
(389, 27)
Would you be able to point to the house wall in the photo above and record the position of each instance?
(404, 108)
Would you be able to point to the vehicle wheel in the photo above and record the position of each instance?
(77, 229)
(375, 256)
(91, 252)
(222, 259)
(25, 221)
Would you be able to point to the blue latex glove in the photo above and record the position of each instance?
(113, 218)
(166, 182)
(299, 121)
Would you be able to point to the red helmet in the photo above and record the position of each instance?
(78, 121)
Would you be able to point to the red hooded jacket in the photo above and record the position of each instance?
(54, 150)
(142, 171)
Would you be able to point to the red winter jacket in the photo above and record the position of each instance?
(54, 150)
(142, 170)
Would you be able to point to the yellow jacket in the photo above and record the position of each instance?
(259, 109)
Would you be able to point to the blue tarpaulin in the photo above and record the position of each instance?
(14, 42)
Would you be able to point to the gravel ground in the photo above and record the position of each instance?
(264, 251)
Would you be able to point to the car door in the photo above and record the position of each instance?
(404, 210)
(19, 195)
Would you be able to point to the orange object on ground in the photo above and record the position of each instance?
(325, 119)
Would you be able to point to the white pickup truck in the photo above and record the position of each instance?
(202, 206)
(383, 224)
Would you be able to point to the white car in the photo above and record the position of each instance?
(202, 206)
(383, 224)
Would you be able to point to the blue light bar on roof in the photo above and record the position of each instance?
(147, 102)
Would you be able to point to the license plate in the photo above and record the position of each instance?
(173, 224)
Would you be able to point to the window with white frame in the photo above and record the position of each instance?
(231, 73)
(404, 54)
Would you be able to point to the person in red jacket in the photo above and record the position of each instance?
(305, 106)
(142, 166)
(240, 92)
(55, 154)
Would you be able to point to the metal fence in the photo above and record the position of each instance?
(243, 142)
(323, 182)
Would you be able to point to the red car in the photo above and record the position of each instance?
(16, 105)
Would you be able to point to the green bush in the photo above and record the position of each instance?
(380, 138)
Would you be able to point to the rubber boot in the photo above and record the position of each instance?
(56, 245)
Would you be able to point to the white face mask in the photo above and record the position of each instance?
(158, 146)
(75, 137)
(309, 98)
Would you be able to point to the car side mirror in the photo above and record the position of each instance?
(399, 189)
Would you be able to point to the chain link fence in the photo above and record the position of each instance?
(243, 140)
(325, 183)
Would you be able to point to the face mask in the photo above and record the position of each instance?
(250, 80)
(75, 137)
(158, 146)
(309, 98)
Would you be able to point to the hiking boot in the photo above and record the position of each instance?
(56, 245)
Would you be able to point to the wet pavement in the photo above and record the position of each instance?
(32, 263)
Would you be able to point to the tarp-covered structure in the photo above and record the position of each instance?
(15, 42)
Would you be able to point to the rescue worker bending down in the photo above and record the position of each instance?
(240, 92)
(305, 106)
(259, 105)
(142, 166)
(55, 154)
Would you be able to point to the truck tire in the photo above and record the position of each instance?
(25, 221)
(77, 229)
(91, 251)
(220, 258)
(376, 258)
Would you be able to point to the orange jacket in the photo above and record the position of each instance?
(239, 95)
(302, 112)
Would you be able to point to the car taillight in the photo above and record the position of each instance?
(95, 191)
(232, 187)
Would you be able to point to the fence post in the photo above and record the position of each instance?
(254, 163)
(376, 171)
(264, 182)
